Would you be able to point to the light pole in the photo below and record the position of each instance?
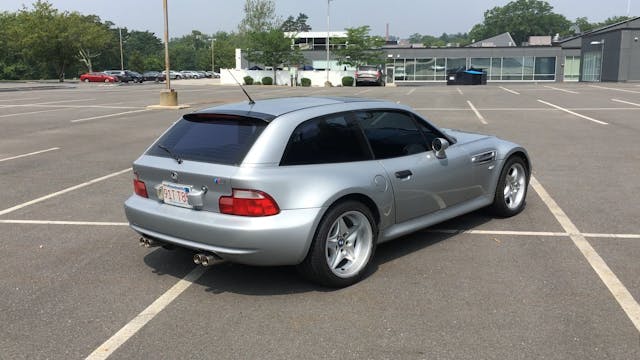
(121, 54)
(168, 97)
(213, 61)
(328, 29)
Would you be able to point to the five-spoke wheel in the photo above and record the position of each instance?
(343, 245)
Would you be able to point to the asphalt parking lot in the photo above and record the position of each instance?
(559, 281)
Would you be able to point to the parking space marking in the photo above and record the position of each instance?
(132, 327)
(482, 120)
(625, 102)
(411, 91)
(30, 154)
(509, 90)
(21, 99)
(459, 91)
(29, 113)
(614, 89)
(573, 113)
(611, 281)
(362, 92)
(108, 115)
(64, 191)
(76, 106)
(563, 90)
(54, 222)
(530, 233)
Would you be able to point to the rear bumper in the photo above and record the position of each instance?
(282, 239)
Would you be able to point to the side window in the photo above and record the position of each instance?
(328, 139)
(429, 133)
(391, 133)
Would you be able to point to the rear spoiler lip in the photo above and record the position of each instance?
(240, 113)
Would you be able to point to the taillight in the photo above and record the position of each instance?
(248, 203)
(139, 187)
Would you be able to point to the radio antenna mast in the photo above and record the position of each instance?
(251, 102)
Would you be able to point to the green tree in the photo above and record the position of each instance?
(272, 48)
(361, 48)
(259, 16)
(584, 25)
(296, 25)
(521, 18)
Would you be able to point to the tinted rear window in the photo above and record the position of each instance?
(219, 139)
(368, 68)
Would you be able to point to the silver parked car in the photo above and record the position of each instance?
(314, 182)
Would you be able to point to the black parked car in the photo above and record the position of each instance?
(153, 76)
(125, 75)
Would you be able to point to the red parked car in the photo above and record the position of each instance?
(97, 77)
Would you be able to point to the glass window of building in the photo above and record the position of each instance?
(571, 68)
(527, 68)
(424, 69)
(545, 68)
(496, 69)
(512, 68)
(454, 64)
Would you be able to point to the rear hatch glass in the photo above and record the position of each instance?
(212, 138)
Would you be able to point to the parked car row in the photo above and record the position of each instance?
(125, 76)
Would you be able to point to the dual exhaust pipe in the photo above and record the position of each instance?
(198, 259)
(149, 243)
(205, 259)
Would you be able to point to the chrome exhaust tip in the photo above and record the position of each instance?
(142, 241)
(207, 260)
(197, 259)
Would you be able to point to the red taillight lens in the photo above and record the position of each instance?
(248, 203)
(140, 188)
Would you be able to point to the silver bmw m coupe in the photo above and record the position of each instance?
(314, 182)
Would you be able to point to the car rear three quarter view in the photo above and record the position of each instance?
(314, 182)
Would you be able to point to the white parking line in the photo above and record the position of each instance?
(482, 120)
(69, 189)
(615, 286)
(608, 88)
(75, 106)
(20, 99)
(362, 92)
(441, 231)
(107, 116)
(29, 154)
(625, 102)
(509, 90)
(411, 91)
(531, 233)
(53, 222)
(30, 113)
(563, 90)
(573, 113)
(132, 327)
(459, 91)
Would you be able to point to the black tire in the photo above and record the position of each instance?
(510, 205)
(315, 266)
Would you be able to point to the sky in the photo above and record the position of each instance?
(405, 17)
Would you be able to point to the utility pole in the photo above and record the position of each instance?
(328, 35)
(213, 61)
(121, 54)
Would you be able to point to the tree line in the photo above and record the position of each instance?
(42, 42)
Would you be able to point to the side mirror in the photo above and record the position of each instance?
(439, 145)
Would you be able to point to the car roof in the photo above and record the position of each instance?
(267, 109)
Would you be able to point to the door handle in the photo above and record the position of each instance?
(403, 174)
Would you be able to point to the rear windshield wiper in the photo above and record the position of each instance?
(176, 157)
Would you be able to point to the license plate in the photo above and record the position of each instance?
(176, 194)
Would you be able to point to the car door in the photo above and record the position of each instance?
(422, 183)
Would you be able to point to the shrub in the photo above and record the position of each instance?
(248, 80)
(267, 80)
(347, 81)
(305, 82)
(257, 83)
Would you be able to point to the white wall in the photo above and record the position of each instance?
(283, 77)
